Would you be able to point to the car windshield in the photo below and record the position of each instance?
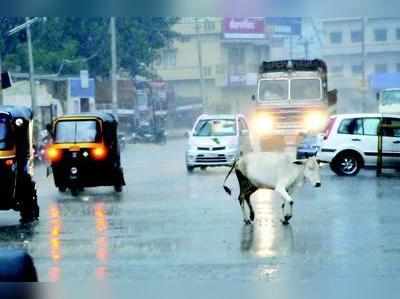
(215, 127)
(391, 97)
(305, 89)
(271, 90)
(5, 142)
(77, 131)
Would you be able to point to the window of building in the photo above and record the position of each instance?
(356, 36)
(356, 69)
(236, 60)
(336, 37)
(209, 25)
(380, 68)
(380, 35)
(207, 71)
(169, 58)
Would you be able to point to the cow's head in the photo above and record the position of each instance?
(311, 170)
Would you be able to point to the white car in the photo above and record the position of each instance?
(217, 140)
(350, 142)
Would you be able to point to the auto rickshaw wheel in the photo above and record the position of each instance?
(62, 189)
(75, 191)
(29, 210)
(118, 188)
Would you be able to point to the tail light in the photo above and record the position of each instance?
(99, 153)
(53, 154)
(9, 162)
(329, 127)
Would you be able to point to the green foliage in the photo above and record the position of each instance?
(67, 45)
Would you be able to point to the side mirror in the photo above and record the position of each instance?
(187, 134)
(332, 97)
(253, 97)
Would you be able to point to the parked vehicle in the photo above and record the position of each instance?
(85, 152)
(308, 146)
(350, 142)
(17, 187)
(217, 140)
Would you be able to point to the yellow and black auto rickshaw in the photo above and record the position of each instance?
(17, 188)
(85, 152)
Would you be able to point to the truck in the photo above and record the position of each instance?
(292, 100)
(389, 100)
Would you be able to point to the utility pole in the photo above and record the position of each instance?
(363, 64)
(31, 68)
(1, 83)
(114, 67)
(200, 60)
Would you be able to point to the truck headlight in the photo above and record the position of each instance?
(315, 121)
(264, 124)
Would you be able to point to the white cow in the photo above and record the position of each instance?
(274, 171)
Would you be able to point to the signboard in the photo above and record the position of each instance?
(244, 28)
(284, 26)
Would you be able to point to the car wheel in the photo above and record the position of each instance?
(189, 169)
(204, 168)
(75, 191)
(347, 164)
(29, 208)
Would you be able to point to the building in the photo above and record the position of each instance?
(231, 52)
(352, 43)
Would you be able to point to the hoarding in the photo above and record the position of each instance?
(244, 28)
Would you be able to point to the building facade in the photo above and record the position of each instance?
(231, 52)
(357, 48)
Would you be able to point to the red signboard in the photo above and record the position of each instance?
(244, 28)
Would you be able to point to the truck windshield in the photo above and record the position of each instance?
(305, 89)
(274, 90)
(5, 140)
(390, 97)
(77, 131)
(215, 127)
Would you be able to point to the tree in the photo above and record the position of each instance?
(67, 45)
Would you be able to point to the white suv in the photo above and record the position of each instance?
(350, 142)
(217, 140)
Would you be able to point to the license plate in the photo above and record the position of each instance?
(211, 156)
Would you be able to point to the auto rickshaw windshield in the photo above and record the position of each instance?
(5, 138)
(69, 131)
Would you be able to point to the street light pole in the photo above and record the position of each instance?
(114, 67)
(200, 61)
(31, 68)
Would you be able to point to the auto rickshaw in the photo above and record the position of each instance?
(85, 152)
(17, 187)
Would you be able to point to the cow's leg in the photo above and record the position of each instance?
(287, 200)
(242, 199)
(246, 189)
(247, 197)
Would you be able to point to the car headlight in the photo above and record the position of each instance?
(315, 121)
(264, 124)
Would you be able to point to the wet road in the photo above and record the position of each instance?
(171, 225)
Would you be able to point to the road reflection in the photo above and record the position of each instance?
(101, 240)
(55, 242)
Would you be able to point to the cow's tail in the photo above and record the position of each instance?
(226, 188)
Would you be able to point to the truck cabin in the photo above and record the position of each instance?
(292, 81)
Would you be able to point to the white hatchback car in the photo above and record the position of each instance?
(217, 140)
(350, 142)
